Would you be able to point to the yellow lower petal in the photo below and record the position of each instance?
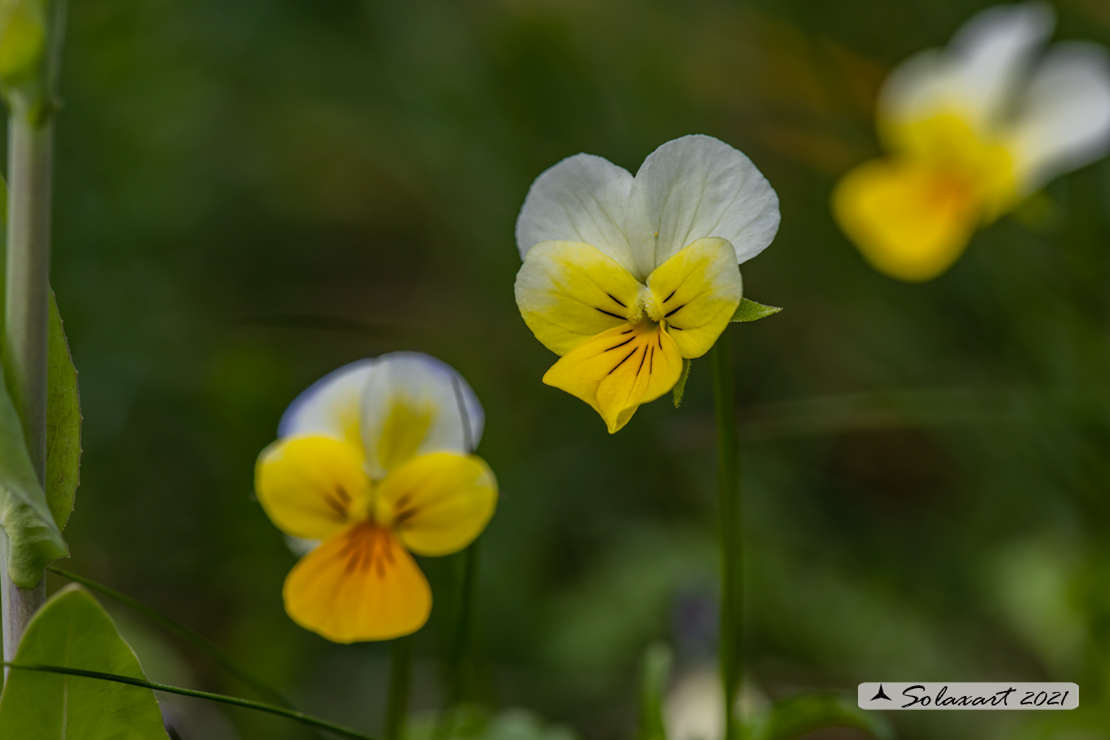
(618, 370)
(910, 221)
(438, 503)
(358, 586)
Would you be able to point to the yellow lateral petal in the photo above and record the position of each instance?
(360, 585)
(438, 503)
(960, 155)
(618, 370)
(312, 487)
(695, 294)
(910, 221)
(568, 292)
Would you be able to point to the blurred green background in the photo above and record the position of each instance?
(250, 194)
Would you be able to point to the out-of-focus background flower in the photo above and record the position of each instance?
(252, 194)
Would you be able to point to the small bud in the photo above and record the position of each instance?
(25, 52)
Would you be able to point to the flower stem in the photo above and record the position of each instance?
(400, 671)
(456, 678)
(728, 494)
(30, 145)
(305, 719)
(460, 643)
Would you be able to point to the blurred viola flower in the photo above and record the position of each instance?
(625, 277)
(694, 707)
(374, 461)
(971, 131)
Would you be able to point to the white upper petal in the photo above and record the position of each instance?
(977, 74)
(330, 407)
(581, 199)
(696, 187)
(995, 49)
(920, 87)
(428, 388)
(1064, 119)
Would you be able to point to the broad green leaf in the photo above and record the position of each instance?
(800, 715)
(654, 670)
(34, 540)
(63, 423)
(73, 631)
(63, 408)
(752, 311)
(680, 386)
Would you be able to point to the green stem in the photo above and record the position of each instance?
(30, 152)
(400, 671)
(456, 676)
(728, 494)
(306, 719)
(219, 656)
(460, 642)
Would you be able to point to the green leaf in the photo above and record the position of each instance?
(31, 518)
(654, 670)
(34, 540)
(803, 714)
(63, 423)
(752, 311)
(73, 631)
(63, 402)
(680, 386)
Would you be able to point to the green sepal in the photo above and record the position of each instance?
(73, 631)
(801, 715)
(752, 311)
(34, 539)
(655, 669)
(680, 386)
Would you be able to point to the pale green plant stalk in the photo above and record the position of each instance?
(730, 643)
(30, 149)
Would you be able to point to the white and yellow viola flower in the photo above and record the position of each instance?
(971, 131)
(625, 277)
(373, 461)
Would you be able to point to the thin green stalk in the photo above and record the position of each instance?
(460, 642)
(30, 153)
(728, 494)
(204, 645)
(400, 673)
(460, 645)
(306, 719)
